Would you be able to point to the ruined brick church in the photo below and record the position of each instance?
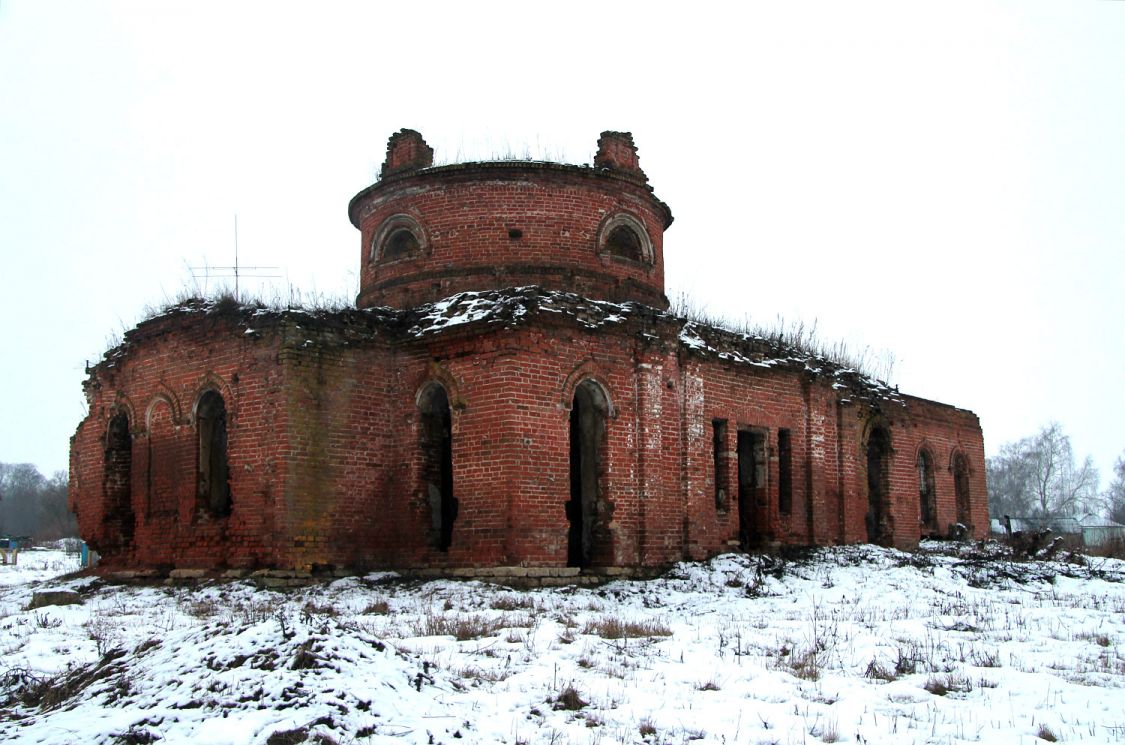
(510, 396)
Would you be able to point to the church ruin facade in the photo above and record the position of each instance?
(510, 394)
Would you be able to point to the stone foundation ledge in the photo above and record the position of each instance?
(525, 576)
(515, 576)
(135, 575)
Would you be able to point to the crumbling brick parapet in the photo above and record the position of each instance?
(616, 151)
(406, 151)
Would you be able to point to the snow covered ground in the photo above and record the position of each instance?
(36, 565)
(855, 644)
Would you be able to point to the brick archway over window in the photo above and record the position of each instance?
(398, 237)
(623, 236)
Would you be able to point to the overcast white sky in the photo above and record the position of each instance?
(944, 180)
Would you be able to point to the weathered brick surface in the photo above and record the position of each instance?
(325, 436)
(171, 362)
(507, 224)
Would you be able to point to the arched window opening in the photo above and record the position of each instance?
(624, 242)
(437, 464)
(117, 479)
(213, 480)
(400, 243)
(961, 490)
(927, 497)
(398, 237)
(623, 236)
(587, 446)
(878, 486)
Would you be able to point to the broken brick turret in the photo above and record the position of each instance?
(510, 398)
(406, 151)
(617, 151)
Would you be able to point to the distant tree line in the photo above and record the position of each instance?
(1115, 494)
(33, 505)
(1039, 476)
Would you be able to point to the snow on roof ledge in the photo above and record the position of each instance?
(514, 306)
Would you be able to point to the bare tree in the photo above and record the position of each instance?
(1115, 495)
(1009, 480)
(1038, 476)
(1061, 487)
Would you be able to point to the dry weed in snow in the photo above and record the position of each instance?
(949, 644)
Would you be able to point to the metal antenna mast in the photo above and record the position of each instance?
(237, 271)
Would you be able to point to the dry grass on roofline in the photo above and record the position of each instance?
(490, 152)
(223, 300)
(877, 364)
(795, 335)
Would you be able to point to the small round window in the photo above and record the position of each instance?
(624, 237)
(399, 237)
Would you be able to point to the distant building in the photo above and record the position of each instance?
(510, 396)
(1097, 531)
(10, 547)
(1090, 530)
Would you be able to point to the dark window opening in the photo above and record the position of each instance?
(213, 482)
(927, 496)
(784, 472)
(721, 471)
(878, 462)
(117, 480)
(752, 483)
(961, 490)
(437, 465)
(401, 242)
(587, 438)
(623, 241)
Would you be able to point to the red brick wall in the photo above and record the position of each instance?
(467, 215)
(325, 456)
(943, 431)
(173, 360)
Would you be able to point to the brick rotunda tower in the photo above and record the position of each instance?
(432, 231)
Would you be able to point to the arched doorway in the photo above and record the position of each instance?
(437, 463)
(961, 490)
(213, 480)
(117, 480)
(587, 445)
(927, 497)
(878, 485)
